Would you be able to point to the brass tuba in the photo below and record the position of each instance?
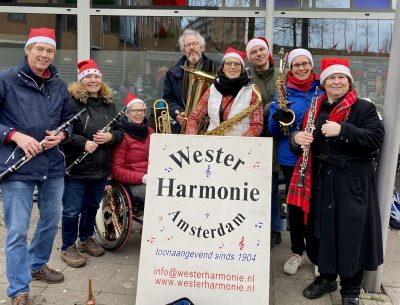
(281, 95)
(162, 121)
(199, 81)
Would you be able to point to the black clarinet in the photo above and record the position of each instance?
(25, 159)
(104, 129)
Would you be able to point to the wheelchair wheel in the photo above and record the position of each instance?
(114, 217)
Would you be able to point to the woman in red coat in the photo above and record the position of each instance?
(130, 157)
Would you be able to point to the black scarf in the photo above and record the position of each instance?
(227, 86)
(136, 131)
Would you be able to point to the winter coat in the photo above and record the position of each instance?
(174, 86)
(299, 103)
(130, 159)
(32, 108)
(344, 222)
(100, 111)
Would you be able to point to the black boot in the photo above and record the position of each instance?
(350, 301)
(276, 238)
(319, 287)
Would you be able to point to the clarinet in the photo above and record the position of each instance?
(310, 129)
(104, 129)
(25, 159)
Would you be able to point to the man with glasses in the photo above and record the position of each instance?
(192, 44)
(262, 70)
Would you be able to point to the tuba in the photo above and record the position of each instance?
(199, 81)
(281, 95)
(162, 121)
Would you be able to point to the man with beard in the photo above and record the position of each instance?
(192, 44)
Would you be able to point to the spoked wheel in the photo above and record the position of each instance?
(114, 217)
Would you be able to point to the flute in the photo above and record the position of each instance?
(25, 159)
(104, 129)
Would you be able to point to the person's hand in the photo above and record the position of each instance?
(102, 137)
(29, 145)
(181, 118)
(144, 179)
(90, 146)
(331, 129)
(51, 140)
(281, 115)
(303, 138)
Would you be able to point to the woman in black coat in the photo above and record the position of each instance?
(340, 193)
(85, 182)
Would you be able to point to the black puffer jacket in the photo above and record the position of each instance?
(100, 111)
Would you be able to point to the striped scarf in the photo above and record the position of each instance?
(300, 196)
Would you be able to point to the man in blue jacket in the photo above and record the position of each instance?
(192, 44)
(33, 102)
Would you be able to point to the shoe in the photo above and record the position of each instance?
(21, 299)
(73, 257)
(91, 246)
(293, 263)
(276, 238)
(350, 301)
(319, 287)
(48, 275)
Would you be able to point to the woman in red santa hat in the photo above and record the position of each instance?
(130, 157)
(339, 197)
(230, 94)
(85, 182)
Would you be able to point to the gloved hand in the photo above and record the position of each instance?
(281, 115)
(144, 179)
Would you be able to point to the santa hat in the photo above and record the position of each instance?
(87, 67)
(42, 35)
(331, 66)
(298, 52)
(231, 52)
(258, 41)
(132, 99)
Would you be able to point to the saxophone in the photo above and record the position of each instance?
(310, 129)
(226, 126)
(280, 88)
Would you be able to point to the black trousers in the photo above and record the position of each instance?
(296, 217)
(350, 285)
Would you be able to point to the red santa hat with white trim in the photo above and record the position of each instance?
(231, 52)
(330, 66)
(86, 67)
(132, 99)
(258, 41)
(45, 35)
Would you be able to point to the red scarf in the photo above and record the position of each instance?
(300, 196)
(302, 85)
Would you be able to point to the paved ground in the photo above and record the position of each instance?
(114, 277)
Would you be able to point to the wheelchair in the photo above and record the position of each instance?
(117, 211)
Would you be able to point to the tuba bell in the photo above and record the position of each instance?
(199, 81)
(162, 121)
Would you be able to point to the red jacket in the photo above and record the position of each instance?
(130, 159)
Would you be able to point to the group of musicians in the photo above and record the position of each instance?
(324, 140)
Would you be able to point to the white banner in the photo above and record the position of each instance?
(207, 221)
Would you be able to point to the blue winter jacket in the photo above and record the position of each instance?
(299, 103)
(32, 109)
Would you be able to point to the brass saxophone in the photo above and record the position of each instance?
(310, 129)
(226, 126)
(280, 88)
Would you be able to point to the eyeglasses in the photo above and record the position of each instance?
(137, 111)
(305, 64)
(191, 44)
(230, 63)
